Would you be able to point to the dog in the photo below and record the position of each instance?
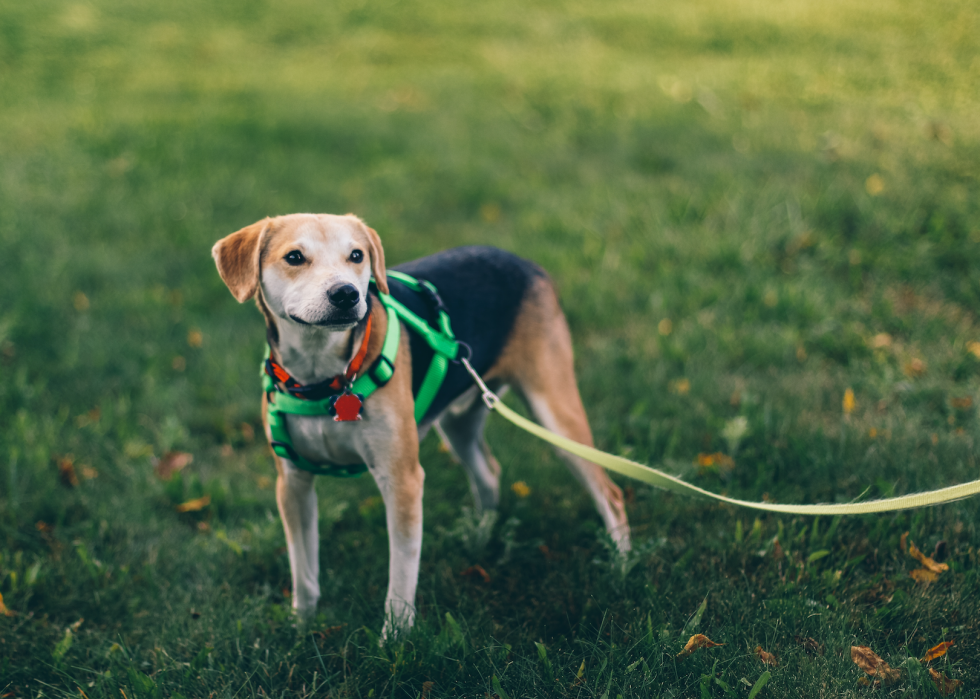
(310, 276)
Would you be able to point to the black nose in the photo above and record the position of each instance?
(344, 296)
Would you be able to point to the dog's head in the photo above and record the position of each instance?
(311, 269)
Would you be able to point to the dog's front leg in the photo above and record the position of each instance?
(401, 488)
(296, 498)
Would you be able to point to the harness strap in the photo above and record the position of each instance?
(442, 341)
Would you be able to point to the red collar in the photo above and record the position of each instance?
(327, 386)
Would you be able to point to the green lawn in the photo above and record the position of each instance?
(748, 207)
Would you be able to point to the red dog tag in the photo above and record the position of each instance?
(347, 408)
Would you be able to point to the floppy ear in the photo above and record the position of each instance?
(237, 257)
(377, 259)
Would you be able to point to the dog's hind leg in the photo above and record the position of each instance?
(538, 358)
(462, 426)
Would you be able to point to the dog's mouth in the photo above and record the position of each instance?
(338, 321)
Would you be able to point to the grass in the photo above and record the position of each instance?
(748, 207)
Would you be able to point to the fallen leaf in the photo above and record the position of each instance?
(697, 642)
(926, 561)
(3, 608)
(66, 470)
(681, 387)
(171, 463)
(962, 403)
(89, 472)
(973, 348)
(717, 459)
(848, 403)
(810, 645)
(867, 660)
(331, 630)
(427, 688)
(476, 570)
(195, 338)
(944, 684)
(914, 368)
(520, 489)
(874, 185)
(903, 543)
(924, 576)
(766, 658)
(881, 340)
(936, 651)
(194, 505)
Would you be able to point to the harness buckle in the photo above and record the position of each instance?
(469, 353)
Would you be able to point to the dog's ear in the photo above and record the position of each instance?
(377, 259)
(237, 257)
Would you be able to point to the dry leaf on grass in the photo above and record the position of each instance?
(521, 489)
(716, 460)
(3, 609)
(476, 570)
(944, 684)
(810, 645)
(766, 658)
(66, 469)
(926, 561)
(924, 576)
(195, 505)
(930, 570)
(936, 651)
(868, 660)
(697, 642)
(170, 463)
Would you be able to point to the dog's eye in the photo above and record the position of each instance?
(294, 257)
(356, 256)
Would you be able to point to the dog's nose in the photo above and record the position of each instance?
(344, 296)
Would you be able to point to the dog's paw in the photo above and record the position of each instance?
(397, 626)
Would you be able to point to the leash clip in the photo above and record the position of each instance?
(489, 397)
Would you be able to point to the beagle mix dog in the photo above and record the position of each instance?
(309, 275)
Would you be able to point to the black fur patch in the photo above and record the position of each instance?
(482, 288)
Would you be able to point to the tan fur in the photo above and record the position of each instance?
(538, 359)
(237, 258)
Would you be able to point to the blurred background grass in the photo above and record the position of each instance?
(748, 207)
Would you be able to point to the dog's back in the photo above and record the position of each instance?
(482, 288)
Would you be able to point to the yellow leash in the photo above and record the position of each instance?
(674, 484)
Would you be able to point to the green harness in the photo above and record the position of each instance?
(442, 341)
